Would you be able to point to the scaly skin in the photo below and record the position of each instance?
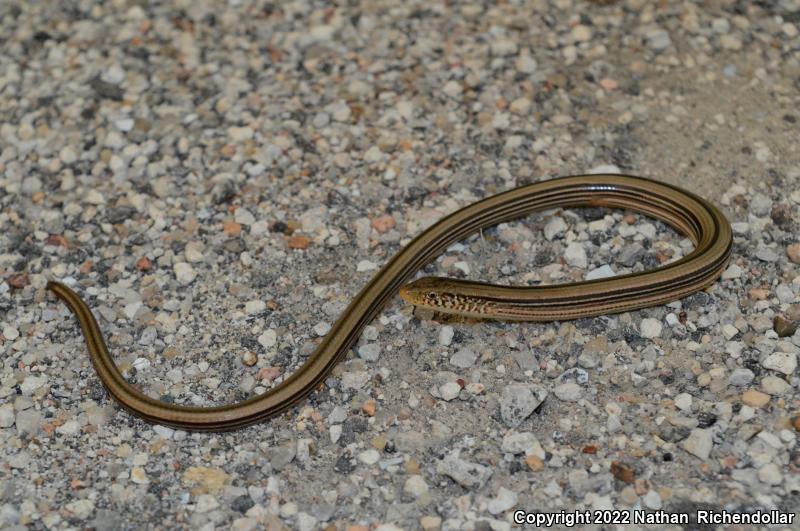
(691, 215)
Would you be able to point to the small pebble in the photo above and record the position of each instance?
(184, 273)
(555, 227)
(568, 392)
(733, 271)
(366, 265)
(793, 252)
(699, 443)
(7, 416)
(783, 362)
(322, 328)
(416, 486)
(249, 358)
(650, 328)
(449, 391)
(464, 358)
(658, 39)
(575, 255)
(755, 398)
(268, 338)
(254, 307)
(369, 457)
(446, 334)
(783, 326)
(298, 241)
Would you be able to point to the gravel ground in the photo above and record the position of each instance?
(219, 180)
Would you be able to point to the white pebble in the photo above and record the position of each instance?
(335, 432)
(31, 384)
(603, 271)
(321, 328)
(253, 307)
(683, 402)
(650, 328)
(416, 486)
(453, 89)
(240, 134)
(366, 265)
(463, 266)
(652, 500)
(184, 273)
(581, 33)
(244, 216)
(10, 333)
(699, 443)
(7, 416)
(526, 64)
(575, 255)
(141, 364)
(369, 457)
(733, 271)
(206, 503)
(67, 155)
(194, 252)
(729, 331)
(784, 362)
(165, 432)
(370, 333)
(446, 334)
(449, 391)
(770, 474)
(568, 392)
(71, 427)
(94, 197)
(369, 352)
(268, 338)
(505, 500)
(125, 124)
(605, 168)
(554, 227)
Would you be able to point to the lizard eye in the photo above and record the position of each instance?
(432, 295)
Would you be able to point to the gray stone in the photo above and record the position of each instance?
(369, 352)
(505, 500)
(416, 486)
(568, 392)
(658, 39)
(29, 421)
(587, 360)
(760, 204)
(449, 391)
(463, 472)
(446, 334)
(603, 271)
(519, 401)
(699, 443)
(554, 227)
(518, 443)
(741, 376)
(282, 455)
(631, 254)
(464, 358)
(767, 254)
(7, 416)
